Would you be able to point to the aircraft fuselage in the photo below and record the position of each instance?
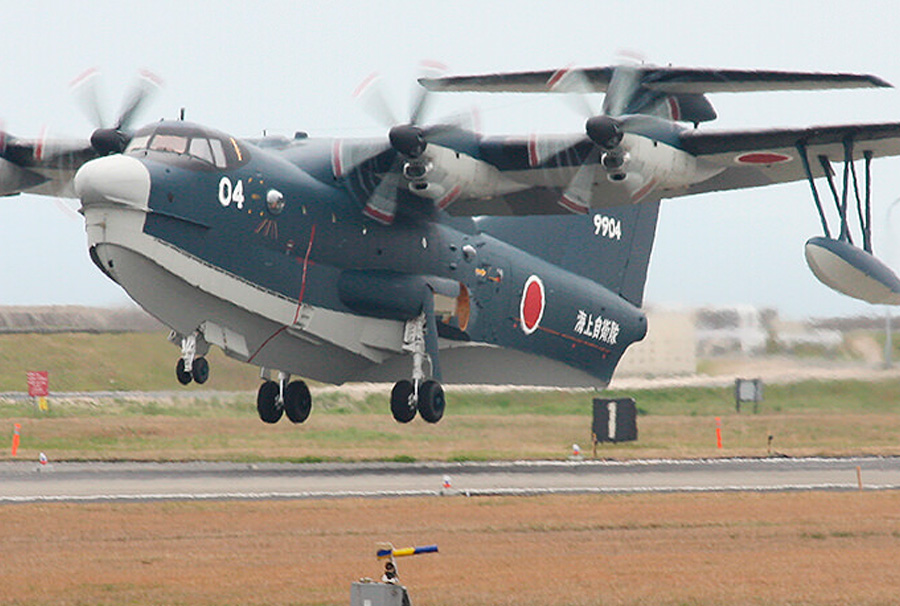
(282, 270)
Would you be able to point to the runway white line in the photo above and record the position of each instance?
(382, 494)
(140, 482)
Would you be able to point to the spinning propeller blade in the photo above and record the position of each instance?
(142, 92)
(84, 90)
(112, 139)
(408, 140)
(606, 131)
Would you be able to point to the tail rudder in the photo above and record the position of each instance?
(610, 246)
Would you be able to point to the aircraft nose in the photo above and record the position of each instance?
(117, 179)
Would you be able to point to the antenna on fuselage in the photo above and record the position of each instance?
(181, 115)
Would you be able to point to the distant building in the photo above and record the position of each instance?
(668, 349)
(74, 318)
(733, 329)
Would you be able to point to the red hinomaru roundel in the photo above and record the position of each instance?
(531, 308)
(762, 158)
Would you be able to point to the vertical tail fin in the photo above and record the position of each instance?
(610, 246)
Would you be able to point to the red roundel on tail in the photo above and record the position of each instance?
(531, 308)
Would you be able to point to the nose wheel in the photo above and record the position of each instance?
(192, 366)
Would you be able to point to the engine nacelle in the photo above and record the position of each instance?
(641, 166)
(444, 175)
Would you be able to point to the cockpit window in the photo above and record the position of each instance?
(218, 151)
(198, 147)
(169, 143)
(138, 142)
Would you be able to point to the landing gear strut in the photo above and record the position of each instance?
(191, 366)
(424, 396)
(291, 398)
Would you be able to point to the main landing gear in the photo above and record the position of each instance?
(428, 400)
(291, 398)
(419, 395)
(191, 366)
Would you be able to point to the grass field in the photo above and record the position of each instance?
(96, 362)
(812, 418)
(804, 549)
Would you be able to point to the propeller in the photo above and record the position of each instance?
(408, 139)
(605, 129)
(112, 138)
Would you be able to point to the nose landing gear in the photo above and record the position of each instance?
(191, 366)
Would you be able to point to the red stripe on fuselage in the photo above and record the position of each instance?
(572, 205)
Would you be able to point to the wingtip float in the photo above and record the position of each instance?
(852, 271)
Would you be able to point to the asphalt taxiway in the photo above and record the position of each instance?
(23, 482)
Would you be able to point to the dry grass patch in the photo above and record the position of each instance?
(737, 549)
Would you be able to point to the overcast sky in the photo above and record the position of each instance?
(286, 66)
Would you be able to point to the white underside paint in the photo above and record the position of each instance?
(256, 325)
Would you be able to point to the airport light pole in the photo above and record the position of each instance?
(888, 333)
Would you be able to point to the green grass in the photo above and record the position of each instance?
(218, 421)
(838, 417)
(808, 397)
(97, 362)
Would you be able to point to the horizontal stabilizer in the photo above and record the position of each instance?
(664, 80)
(852, 271)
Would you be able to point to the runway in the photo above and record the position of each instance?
(22, 482)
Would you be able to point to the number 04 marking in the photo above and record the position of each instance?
(229, 193)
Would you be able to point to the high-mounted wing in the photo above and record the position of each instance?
(669, 80)
(753, 158)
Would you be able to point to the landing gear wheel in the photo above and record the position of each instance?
(403, 407)
(200, 370)
(431, 401)
(183, 376)
(267, 404)
(297, 402)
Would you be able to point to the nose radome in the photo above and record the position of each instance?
(113, 179)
